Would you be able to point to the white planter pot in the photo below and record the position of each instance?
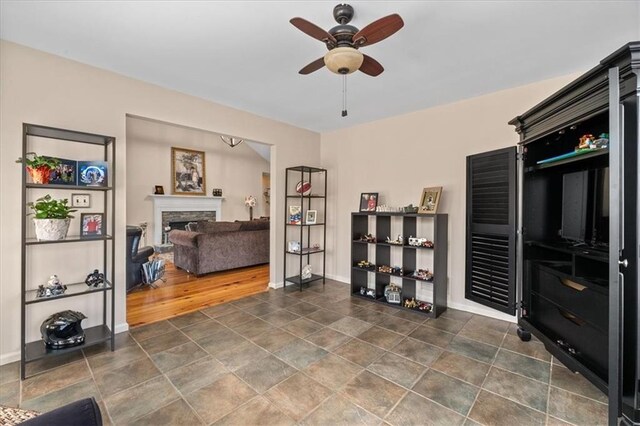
(51, 229)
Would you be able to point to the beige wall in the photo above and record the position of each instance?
(396, 157)
(399, 156)
(45, 89)
(238, 171)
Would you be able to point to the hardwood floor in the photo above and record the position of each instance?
(183, 293)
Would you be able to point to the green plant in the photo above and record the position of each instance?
(49, 208)
(33, 160)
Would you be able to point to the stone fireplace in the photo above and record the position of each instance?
(180, 209)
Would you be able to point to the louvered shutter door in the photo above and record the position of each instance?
(491, 229)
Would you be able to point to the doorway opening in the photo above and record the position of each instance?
(159, 208)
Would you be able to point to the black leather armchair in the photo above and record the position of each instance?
(85, 412)
(135, 256)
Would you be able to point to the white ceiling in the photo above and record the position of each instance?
(247, 55)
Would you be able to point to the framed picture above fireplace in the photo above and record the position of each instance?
(187, 170)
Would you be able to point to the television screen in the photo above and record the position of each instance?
(575, 196)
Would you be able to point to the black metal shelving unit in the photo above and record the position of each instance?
(104, 332)
(317, 177)
(360, 226)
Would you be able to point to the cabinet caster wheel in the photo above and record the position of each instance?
(523, 334)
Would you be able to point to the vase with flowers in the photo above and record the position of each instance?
(250, 201)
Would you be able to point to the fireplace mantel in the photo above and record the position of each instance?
(176, 203)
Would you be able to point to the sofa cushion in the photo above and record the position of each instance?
(184, 238)
(208, 227)
(254, 225)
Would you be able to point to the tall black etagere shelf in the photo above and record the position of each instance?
(104, 332)
(360, 226)
(315, 199)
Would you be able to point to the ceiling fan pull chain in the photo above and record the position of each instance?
(344, 95)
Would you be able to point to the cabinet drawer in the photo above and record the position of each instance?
(590, 344)
(572, 295)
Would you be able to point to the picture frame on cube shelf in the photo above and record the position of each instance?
(368, 201)
(430, 199)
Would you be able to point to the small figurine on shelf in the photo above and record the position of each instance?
(387, 209)
(54, 287)
(423, 274)
(366, 265)
(601, 142)
(586, 141)
(398, 241)
(384, 269)
(420, 242)
(293, 246)
(410, 209)
(393, 294)
(410, 303)
(305, 274)
(94, 279)
(368, 238)
(425, 306)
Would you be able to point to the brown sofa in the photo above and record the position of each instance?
(218, 246)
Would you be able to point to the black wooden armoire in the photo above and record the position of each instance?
(552, 232)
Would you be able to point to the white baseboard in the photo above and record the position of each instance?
(343, 280)
(122, 327)
(487, 312)
(15, 356)
(9, 357)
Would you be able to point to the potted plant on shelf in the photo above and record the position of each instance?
(39, 167)
(51, 218)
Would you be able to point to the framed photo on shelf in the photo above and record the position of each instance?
(93, 173)
(158, 190)
(310, 218)
(295, 215)
(430, 199)
(368, 201)
(64, 173)
(187, 171)
(91, 224)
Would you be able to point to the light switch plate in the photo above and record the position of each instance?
(81, 200)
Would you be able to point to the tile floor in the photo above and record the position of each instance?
(317, 357)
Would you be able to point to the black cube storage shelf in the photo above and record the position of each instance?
(360, 226)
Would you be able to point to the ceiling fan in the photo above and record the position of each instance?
(344, 40)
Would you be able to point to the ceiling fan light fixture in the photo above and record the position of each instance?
(231, 141)
(343, 60)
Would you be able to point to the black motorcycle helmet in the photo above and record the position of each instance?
(63, 329)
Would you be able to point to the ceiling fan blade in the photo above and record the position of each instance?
(371, 67)
(378, 30)
(313, 30)
(313, 66)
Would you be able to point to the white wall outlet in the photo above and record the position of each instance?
(81, 200)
